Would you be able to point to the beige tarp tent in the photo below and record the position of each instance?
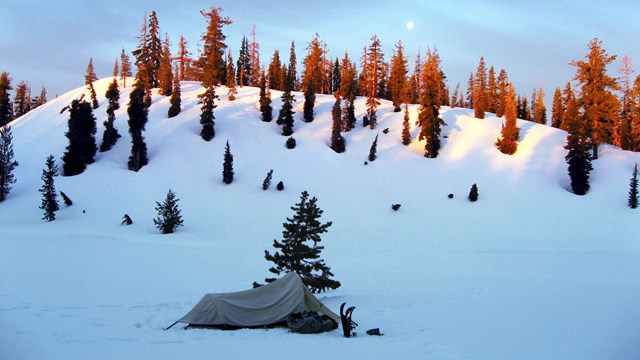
(266, 305)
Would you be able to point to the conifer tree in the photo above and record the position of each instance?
(373, 67)
(254, 59)
(348, 88)
(337, 141)
(274, 73)
(125, 68)
(183, 59)
(429, 115)
(292, 72)
(169, 217)
(473, 193)
(599, 105)
(48, 190)
(82, 146)
(7, 162)
(67, 201)
(538, 110)
(243, 64)
(165, 69)
(508, 141)
(299, 250)
(415, 87)
(116, 68)
(227, 165)
(231, 79)
(492, 91)
(285, 117)
(335, 76)
(406, 127)
(110, 134)
(6, 110)
(633, 189)
(155, 53)
(20, 103)
(373, 150)
(578, 143)
(212, 59)
(557, 109)
(398, 77)
(89, 78)
(625, 132)
(503, 92)
(176, 98)
(469, 95)
(480, 90)
(207, 100)
(309, 102)
(138, 116)
(267, 180)
(265, 100)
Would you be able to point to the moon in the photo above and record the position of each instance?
(410, 25)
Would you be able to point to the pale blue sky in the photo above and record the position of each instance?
(50, 42)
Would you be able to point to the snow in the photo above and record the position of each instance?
(529, 271)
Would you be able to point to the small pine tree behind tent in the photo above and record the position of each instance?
(169, 217)
(299, 250)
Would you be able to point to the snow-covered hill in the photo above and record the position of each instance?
(530, 271)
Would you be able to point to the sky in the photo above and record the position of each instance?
(49, 43)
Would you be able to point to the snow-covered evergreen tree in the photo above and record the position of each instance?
(169, 218)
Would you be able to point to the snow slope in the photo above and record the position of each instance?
(530, 271)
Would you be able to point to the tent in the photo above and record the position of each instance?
(270, 304)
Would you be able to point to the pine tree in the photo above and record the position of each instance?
(169, 218)
(267, 180)
(6, 110)
(309, 102)
(508, 141)
(110, 134)
(628, 104)
(337, 141)
(212, 59)
(125, 68)
(265, 100)
(633, 189)
(231, 79)
(285, 117)
(335, 76)
(67, 201)
(406, 127)
(89, 78)
(373, 66)
(578, 144)
(243, 64)
(599, 105)
(373, 150)
(20, 103)
(183, 59)
(138, 116)
(469, 94)
(473, 193)
(82, 146)
(207, 100)
(415, 87)
(155, 53)
(429, 115)
(538, 110)
(254, 59)
(7, 162)
(480, 90)
(227, 165)
(175, 99)
(557, 109)
(49, 196)
(503, 92)
(492, 91)
(292, 72)
(299, 250)
(398, 77)
(165, 69)
(274, 73)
